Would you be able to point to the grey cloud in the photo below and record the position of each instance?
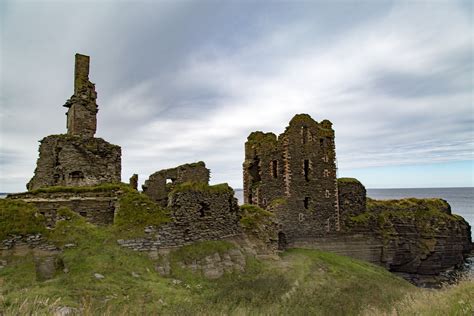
(186, 81)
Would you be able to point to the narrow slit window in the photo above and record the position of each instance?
(327, 194)
(306, 202)
(275, 169)
(306, 169)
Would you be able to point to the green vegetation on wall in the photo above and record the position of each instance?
(201, 187)
(19, 218)
(253, 216)
(137, 211)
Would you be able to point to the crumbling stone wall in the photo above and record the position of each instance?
(352, 198)
(197, 214)
(162, 182)
(82, 106)
(299, 167)
(97, 207)
(76, 161)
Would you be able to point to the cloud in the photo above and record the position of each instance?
(186, 82)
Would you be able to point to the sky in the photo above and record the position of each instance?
(183, 81)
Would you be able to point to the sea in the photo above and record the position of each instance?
(460, 199)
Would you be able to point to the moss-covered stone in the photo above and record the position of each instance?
(348, 180)
(138, 211)
(253, 216)
(201, 187)
(19, 218)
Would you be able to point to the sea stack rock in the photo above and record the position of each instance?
(78, 158)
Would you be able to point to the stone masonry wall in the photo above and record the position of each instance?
(299, 166)
(197, 215)
(76, 161)
(82, 106)
(352, 198)
(162, 182)
(97, 207)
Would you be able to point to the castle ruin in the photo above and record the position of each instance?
(294, 174)
(78, 158)
(161, 183)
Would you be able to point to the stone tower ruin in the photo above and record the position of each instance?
(78, 158)
(294, 175)
(82, 106)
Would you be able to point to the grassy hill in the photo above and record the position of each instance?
(302, 282)
(299, 282)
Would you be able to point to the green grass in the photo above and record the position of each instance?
(200, 250)
(348, 180)
(137, 211)
(453, 300)
(303, 282)
(19, 218)
(253, 216)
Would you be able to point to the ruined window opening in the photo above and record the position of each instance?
(204, 208)
(282, 241)
(254, 170)
(306, 202)
(326, 173)
(306, 169)
(326, 158)
(264, 202)
(169, 181)
(83, 213)
(304, 133)
(327, 193)
(275, 169)
(250, 198)
(76, 175)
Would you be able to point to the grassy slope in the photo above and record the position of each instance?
(303, 282)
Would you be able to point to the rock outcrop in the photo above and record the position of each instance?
(417, 236)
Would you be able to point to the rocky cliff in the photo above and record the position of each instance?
(416, 236)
